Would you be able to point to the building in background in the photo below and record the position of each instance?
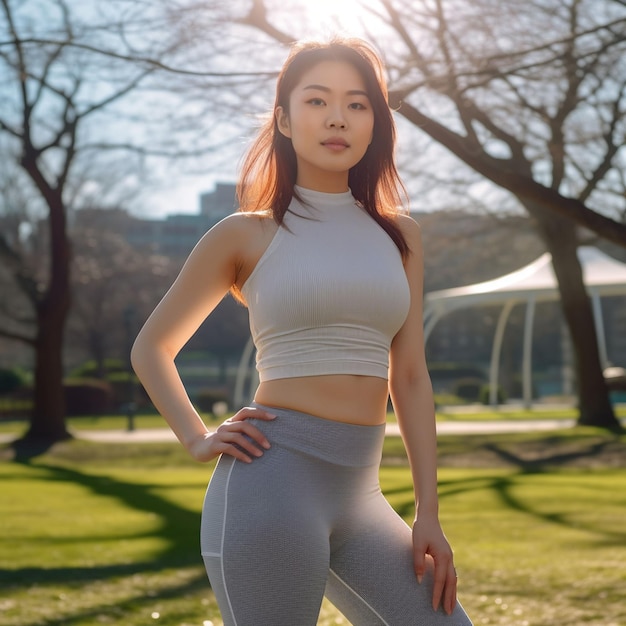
(219, 203)
(174, 235)
(177, 234)
(459, 249)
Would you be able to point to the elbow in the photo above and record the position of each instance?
(136, 355)
(146, 352)
(142, 353)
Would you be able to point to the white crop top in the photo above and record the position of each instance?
(329, 293)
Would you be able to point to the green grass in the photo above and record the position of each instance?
(100, 422)
(482, 413)
(473, 413)
(107, 534)
(540, 549)
(514, 412)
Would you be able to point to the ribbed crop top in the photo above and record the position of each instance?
(328, 294)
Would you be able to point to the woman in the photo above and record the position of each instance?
(332, 277)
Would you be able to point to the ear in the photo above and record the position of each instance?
(282, 121)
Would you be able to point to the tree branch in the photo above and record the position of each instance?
(7, 334)
(129, 147)
(129, 57)
(503, 173)
(11, 131)
(257, 18)
(26, 282)
(21, 67)
(612, 149)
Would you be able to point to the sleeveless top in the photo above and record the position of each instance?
(328, 294)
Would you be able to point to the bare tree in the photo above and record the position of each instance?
(529, 96)
(532, 97)
(111, 280)
(70, 73)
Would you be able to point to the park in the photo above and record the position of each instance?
(107, 533)
(117, 117)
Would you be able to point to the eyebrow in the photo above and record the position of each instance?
(351, 92)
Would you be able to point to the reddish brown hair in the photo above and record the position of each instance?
(269, 170)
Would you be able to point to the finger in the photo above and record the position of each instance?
(449, 594)
(234, 451)
(419, 564)
(255, 434)
(250, 412)
(440, 579)
(243, 441)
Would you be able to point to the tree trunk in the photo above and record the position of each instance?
(48, 416)
(593, 394)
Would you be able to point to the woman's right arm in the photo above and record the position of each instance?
(206, 277)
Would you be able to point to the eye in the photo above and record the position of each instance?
(316, 102)
(357, 106)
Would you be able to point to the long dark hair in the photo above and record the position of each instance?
(269, 170)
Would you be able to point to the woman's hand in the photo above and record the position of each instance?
(235, 436)
(430, 544)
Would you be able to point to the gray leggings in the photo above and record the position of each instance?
(307, 519)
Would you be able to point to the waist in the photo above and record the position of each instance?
(344, 398)
(352, 445)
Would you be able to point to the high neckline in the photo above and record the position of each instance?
(322, 199)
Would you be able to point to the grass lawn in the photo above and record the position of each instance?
(471, 413)
(107, 533)
(537, 412)
(466, 413)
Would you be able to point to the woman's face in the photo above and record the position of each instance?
(330, 122)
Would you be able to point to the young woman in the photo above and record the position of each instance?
(332, 276)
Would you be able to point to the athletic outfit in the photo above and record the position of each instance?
(308, 518)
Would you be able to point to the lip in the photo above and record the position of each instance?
(335, 143)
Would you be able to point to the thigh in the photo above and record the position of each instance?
(264, 545)
(371, 577)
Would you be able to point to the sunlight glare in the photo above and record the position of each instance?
(344, 17)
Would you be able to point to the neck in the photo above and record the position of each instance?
(326, 182)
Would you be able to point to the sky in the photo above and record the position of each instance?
(324, 18)
(175, 187)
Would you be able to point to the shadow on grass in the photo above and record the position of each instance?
(26, 449)
(507, 486)
(178, 533)
(179, 529)
(549, 455)
(179, 526)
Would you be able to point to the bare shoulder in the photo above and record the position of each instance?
(243, 238)
(254, 230)
(244, 225)
(411, 231)
(237, 233)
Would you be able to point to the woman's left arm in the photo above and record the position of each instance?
(412, 397)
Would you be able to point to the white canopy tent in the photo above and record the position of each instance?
(603, 276)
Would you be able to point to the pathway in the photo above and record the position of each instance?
(462, 427)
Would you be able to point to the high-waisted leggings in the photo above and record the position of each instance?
(308, 519)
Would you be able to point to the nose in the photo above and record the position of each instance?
(336, 120)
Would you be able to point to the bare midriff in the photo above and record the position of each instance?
(342, 398)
